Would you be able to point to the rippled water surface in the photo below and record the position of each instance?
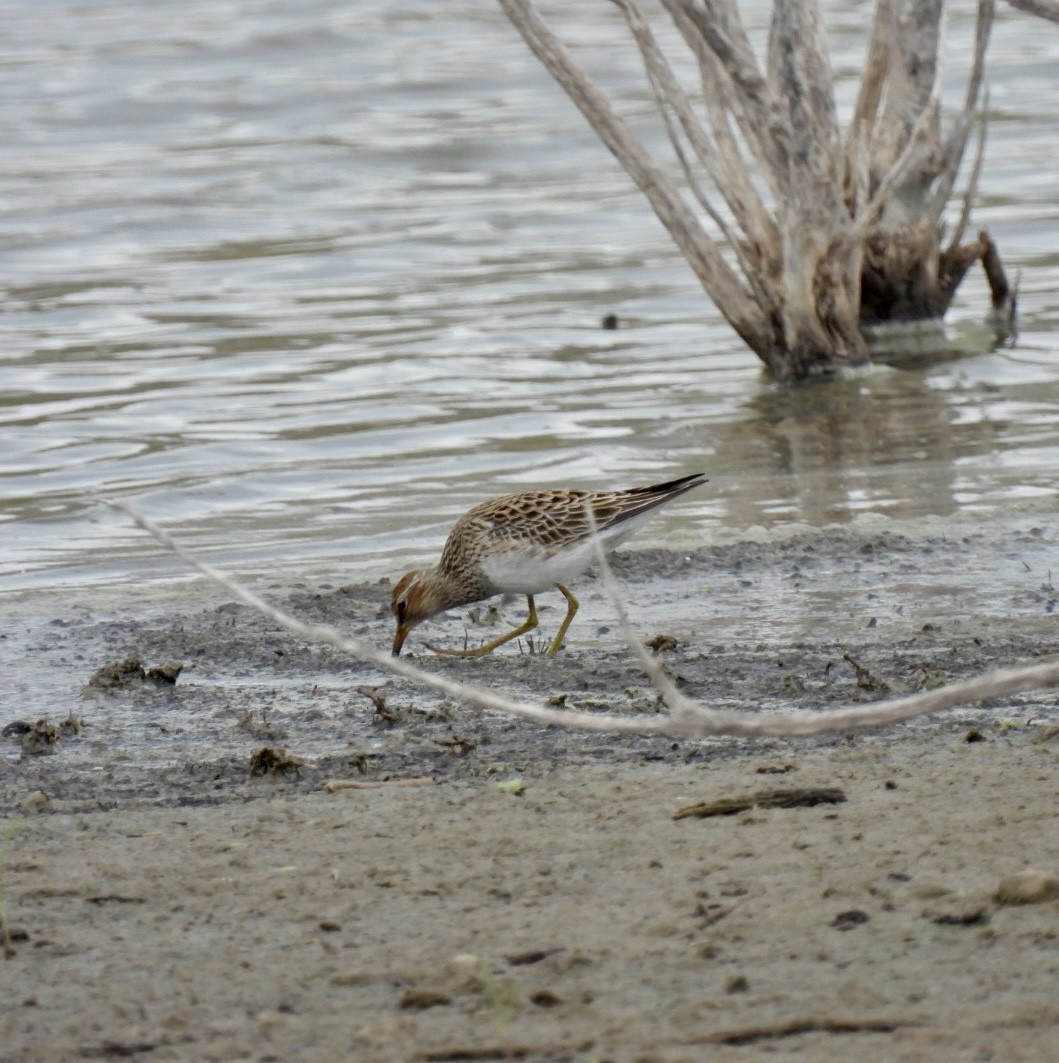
(307, 280)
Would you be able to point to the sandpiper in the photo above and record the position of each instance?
(524, 543)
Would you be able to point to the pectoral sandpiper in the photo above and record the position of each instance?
(524, 544)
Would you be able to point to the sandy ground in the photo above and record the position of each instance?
(536, 897)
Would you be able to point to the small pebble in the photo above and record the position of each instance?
(848, 920)
(1029, 886)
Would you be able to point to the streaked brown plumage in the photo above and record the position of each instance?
(524, 543)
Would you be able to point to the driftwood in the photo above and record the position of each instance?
(685, 718)
(803, 235)
(790, 797)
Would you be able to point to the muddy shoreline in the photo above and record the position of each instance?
(278, 922)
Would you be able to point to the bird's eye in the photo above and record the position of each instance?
(402, 605)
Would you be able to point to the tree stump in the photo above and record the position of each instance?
(802, 234)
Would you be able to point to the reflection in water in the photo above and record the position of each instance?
(881, 439)
(906, 442)
(310, 310)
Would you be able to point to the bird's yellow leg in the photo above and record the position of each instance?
(572, 605)
(480, 651)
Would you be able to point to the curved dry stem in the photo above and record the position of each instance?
(686, 719)
(652, 668)
(480, 696)
(669, 96)
(724, 166)
(956, 143)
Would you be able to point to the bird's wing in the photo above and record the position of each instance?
(549, 520)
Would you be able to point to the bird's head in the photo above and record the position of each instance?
(415, 599)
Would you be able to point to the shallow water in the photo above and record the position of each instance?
(306, 281)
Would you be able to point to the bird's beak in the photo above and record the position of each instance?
(398, 639)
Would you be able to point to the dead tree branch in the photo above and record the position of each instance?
(701, 253)
(685, 719)
(801, 234)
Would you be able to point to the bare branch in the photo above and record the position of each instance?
(972, 181)
(651, 666)
(905, 135)
(799, 75)
(719, 34)
(915, 33)
(733, 84)
(873, 79)
(1003, 295)
(883, 198)
(738, 193)
(686, 719)
(956, 143)
(709, 265)
(869, 97)
(669, 94)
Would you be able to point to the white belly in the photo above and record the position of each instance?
(518, 572)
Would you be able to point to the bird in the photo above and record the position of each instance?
(524, 543)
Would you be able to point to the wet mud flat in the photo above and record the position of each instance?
(177, 885)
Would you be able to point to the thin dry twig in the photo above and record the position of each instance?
(702, 253)
(782, 797)
(332, 786)
(686, 718)
(748, 1035)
